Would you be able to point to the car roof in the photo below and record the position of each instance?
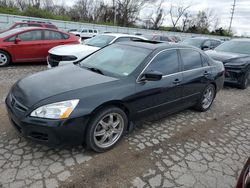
(204, 38)
(153, 45)
(241, 39)
(122, 35)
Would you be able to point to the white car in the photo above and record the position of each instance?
(66, 54)
(85, 33)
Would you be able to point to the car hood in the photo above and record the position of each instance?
(74, 49)
(45, 84)
(229, 58)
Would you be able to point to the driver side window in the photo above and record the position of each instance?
(167, 62)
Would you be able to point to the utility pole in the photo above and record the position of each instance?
(114, 5)
(232, 15)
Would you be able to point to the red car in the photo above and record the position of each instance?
(30, 24)
(31, 44)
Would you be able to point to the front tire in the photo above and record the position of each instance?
(106, 128)
(206, 99)
(4, 59)
(245, 81)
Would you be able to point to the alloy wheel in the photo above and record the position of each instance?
(3, 59)
(208, 97)
(108, 130)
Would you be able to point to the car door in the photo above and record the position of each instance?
(29, 46)
(165, 94)
(195, 74)
(50, 40)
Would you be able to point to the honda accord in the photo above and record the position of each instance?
(94, 101)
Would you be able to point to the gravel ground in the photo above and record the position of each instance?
(186, 149)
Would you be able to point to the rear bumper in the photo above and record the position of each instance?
(53, 133)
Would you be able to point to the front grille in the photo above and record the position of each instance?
(16, 104)
(54, 60)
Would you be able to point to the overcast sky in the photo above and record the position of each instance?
(221, 8)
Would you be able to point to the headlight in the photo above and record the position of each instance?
(60, 110)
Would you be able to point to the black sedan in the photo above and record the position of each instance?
(93, 102)
(235, 55)
(203, 43)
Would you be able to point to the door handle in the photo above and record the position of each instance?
(176, 81)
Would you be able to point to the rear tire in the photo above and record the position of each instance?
(4, 59)
(245, 81)
(106, 129)
(206, 99)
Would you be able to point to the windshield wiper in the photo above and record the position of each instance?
(95, 70)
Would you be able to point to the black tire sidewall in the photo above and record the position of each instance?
(8, 59)
(199, 106)
(93, 123)
(245, 81)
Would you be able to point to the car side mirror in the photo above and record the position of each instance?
(17, 40)
(205, 48)
(151, 76)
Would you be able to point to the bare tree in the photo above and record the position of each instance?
(186, 21)
(128, 11)
(176, 12)
(159, 18)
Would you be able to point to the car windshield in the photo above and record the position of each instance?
(100, 41)
(10, 32)
(193, 42)
(116, 60)
(241, 47)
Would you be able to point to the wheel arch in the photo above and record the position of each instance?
(114, 103)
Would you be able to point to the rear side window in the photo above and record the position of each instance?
(191, 59)
(21, 25)
(95, 31)
(35, 25)
(51, 26)
(65, 36)
(31, 35)
(53, 35)
(166, 62)
(121, 39)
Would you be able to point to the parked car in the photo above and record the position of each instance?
(66, 54)
(160, 38)
(235, 55)
(85, 33)
(93, 102)
(31, 44)
(202, 42)
(31, 24)
(244, 178)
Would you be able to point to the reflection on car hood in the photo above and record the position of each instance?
(227, 57)
(45, 84)
(73, 49)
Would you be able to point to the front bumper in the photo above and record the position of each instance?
(233, 76)
(53, 133)
(57, 60)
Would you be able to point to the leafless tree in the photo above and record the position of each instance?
(159, 16)
(176, 12)
(128, 11)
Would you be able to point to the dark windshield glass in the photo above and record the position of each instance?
(193, 42)
(241, 47)
(100, 41)
(116, 60)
